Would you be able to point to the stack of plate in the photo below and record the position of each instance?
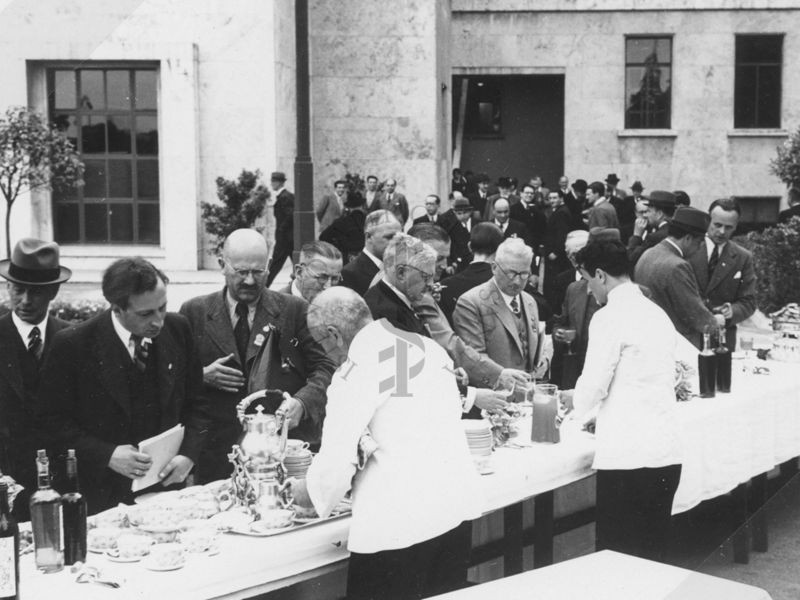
(479, 436)
(297, 464)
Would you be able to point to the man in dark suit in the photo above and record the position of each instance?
(579, 187)
(505, 188)
(665, 270)
(527, 212)
(459, 229)
(346, 232)
(511, 228)
(284, 225)
(432, 205)
(230, 327)
(124, 376)
(660, 208)
(26, 336)
(794, 206)
(480, 197)
(483, 242)
(624, 205)
(364, 270)
(725, 273)
(559, 224)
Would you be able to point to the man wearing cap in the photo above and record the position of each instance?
(601, 212)
(284, 225)
(665, 270)
(26, 336)
(660, 208)
(725, 273)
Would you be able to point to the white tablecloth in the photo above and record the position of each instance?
(609, 575)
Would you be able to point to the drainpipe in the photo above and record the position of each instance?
(303, 166)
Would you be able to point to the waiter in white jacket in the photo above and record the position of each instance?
(629, 374)
(420, 484)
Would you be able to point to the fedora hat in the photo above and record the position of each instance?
(277, 176)
(661, 199)
(691, 220)
(612, 179)
(34, 262)
(604, 234)
(637, 186)
(461, 204)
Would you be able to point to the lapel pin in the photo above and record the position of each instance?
(259, 341)
(294, 342)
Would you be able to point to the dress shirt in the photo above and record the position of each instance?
(630, 373)
(468, 224)
(502, 226)
(24, 329)
(420, 482)
(378, 262)
(710, 248)
(125, 336)
(251, 310)
(295, 292)
(507, 299)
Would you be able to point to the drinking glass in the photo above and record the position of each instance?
(568, 335)
(746, 344)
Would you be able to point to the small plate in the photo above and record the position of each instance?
(94, 550)
(113, 555)
(150, 564)
(260, 533)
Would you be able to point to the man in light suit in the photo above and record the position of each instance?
(230, 328)
(364, 270)
(725, 273)
(602, 213)
(331, 206)
(126, 375)
(26, 336)
(393, 201)
(498, 318)
(665, 270)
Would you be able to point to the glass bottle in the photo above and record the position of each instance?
(73, 506)
(9, 549)
(46, 520)
(707, 368)
(723, 356)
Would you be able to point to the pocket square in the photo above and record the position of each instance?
(738, 275)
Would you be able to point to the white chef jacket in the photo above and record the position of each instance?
(630, 372)
(421, 481)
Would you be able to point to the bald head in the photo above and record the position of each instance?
(245, 242)
(501, 210)
(244, 264)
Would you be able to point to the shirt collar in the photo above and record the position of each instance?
(378, 262)
(675, 246)
(125, 335)
(400, 294)
(232, 302)
(710, 247)
(622, 290)
(24, 329)
(279, 191)
(505, 296)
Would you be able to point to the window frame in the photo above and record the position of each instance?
(132, 156)
(628, 125)
(756, 123)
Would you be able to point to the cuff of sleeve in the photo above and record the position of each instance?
(469, 399)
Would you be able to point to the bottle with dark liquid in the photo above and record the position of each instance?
(73, 506)
(46, 520)
(9, 549)
(707, 369)
(723, 355)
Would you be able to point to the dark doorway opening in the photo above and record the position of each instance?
(509, 125)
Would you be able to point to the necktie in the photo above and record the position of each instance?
(140, 352)
(515, 306)
(713, 261)
(241, 331)
(35, 343)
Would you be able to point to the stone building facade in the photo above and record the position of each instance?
(689, 94)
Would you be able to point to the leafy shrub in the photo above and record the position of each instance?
(243, 201)
(74, 312)
(786, 166)
(777, 264)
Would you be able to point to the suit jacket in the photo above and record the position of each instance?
(603, 215)
(85, 400)
(488, 209)
(398, 205)
(734, 281)
(516, 229)
(558, 226)
(535, 223)
(383, 303)
(442, 219)
(576, 313)
(478, 202)
(460, 254)
(673, 286)
(483, 320)
(359, 273)
(19, 437)
(626, 214)
(638, 246)
(347, 234)
(786, 215)
(299, 366)
(455, 285)
(284, 217)
(328, 210)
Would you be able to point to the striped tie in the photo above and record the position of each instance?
(141, 352)
(35, 343)
(515, 306)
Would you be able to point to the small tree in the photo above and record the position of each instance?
(786, 166)
(243, 202)
(34, 155)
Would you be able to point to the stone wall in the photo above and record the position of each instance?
(701, 153)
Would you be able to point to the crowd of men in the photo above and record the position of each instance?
(472, 289)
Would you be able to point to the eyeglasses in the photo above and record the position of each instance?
(426, 277)
(244, 273)
(323, 278)
(521, 275)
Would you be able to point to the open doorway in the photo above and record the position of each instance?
(509, 125)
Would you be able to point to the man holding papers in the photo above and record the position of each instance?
(124, 376)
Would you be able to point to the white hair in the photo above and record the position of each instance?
(576, 240)
(407, 250)
(513, 248)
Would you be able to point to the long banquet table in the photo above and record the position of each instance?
(727, 440)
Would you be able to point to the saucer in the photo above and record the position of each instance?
(113, 555)
(150, 564)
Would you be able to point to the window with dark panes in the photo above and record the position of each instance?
(757, 93)
(648, 82)
(111, 116)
